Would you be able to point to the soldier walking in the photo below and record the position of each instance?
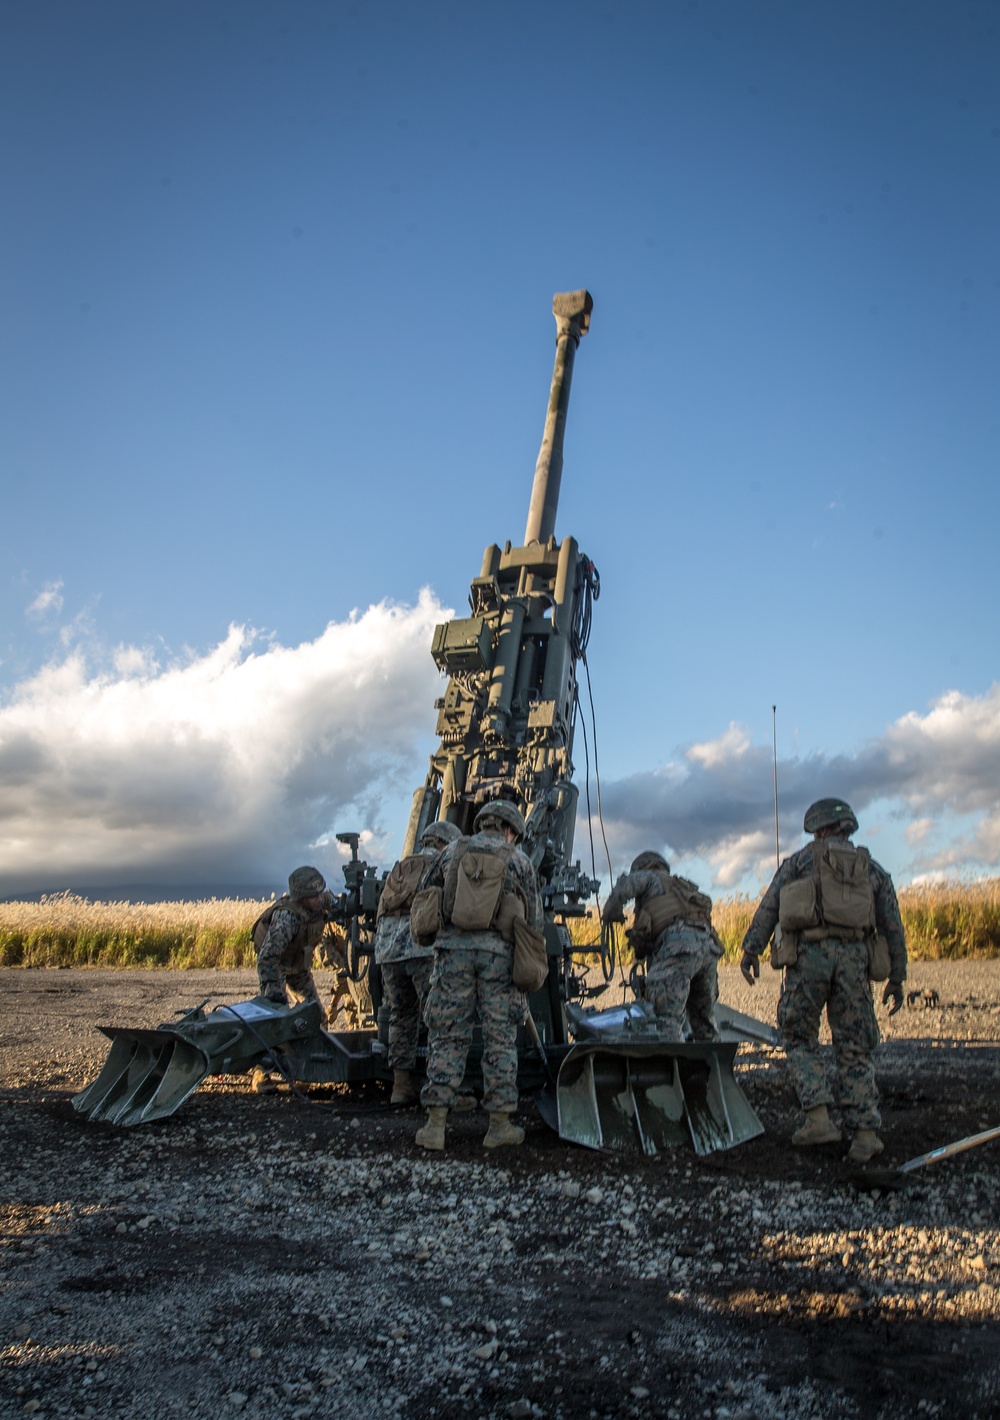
(405, 964)
(484, 881)
(837, 912)
(673, 930)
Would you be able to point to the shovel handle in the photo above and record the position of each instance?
(946, 1150)
(536, 1041)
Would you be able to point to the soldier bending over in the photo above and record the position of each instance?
(673, 929)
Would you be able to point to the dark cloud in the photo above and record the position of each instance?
(716, 802)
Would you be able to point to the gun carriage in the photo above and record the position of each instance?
(505, 727)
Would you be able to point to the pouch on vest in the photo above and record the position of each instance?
(640, 934)
(401, 885)
(531, 962)
(784, 948)
(425, 916)
(797, 907)
(878, 957)
(510, 909)
(845, 888)
(479, 884)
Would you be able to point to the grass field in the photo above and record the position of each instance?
(942, 920)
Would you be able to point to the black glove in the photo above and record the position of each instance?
(613, 911)
(750, 967)
(893, 992)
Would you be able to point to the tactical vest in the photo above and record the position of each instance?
(680, 901)
(474, 899)
(400, 887)
(310, 930)
(835, 900)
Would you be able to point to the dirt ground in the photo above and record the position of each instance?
(260, 1256)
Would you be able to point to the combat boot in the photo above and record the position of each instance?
(819, 1128)
(864, 1146)
(501, 1131)
(261, 1082)
(432, 1134)
(403, 1088)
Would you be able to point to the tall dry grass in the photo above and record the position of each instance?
(943, 921)
(65, 930)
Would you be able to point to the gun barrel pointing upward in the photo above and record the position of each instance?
(572, 312)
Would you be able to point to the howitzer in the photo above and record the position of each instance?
(505, 727)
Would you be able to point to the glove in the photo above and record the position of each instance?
(750, 967)
(613, 911)
(893, 992)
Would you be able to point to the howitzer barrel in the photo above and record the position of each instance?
(572, 312)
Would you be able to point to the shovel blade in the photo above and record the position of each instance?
(647, 1098)
(148, 1075)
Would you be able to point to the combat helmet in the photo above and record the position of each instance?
(830, 813)
(439, 834)
(649, 859)
(305, 882)
(503, 812)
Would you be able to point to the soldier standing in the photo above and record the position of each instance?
(481, 879)
(405, 965)
(673, 929)
(833, 903)
(286, 934)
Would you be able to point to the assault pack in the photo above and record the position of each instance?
(474, 887)
(835, 900)
(401, 885)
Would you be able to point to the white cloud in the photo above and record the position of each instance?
(49, 600)
(225, 767)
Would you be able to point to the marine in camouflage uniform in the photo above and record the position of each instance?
(405, 967)
(472, 970)
(832, 973)
(286, 934)
(682, 977)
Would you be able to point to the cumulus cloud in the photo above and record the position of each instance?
(938, 773)
(224, 767)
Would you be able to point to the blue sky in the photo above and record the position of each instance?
(276, 346)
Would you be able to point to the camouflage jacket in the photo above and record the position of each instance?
(520, 876)
(638, 887)
(635, 887)
(393, 941)
(287, 925)
(887, 919)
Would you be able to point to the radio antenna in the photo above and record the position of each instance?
(774, 746)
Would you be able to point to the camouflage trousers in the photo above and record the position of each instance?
(464, 978)
(834, 975)
(683, 978)
(404, 986)
(277, 970)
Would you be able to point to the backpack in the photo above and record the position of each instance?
(474, 885)
(400, 887)
(835, 900)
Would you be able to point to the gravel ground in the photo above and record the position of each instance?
(254, 1256)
